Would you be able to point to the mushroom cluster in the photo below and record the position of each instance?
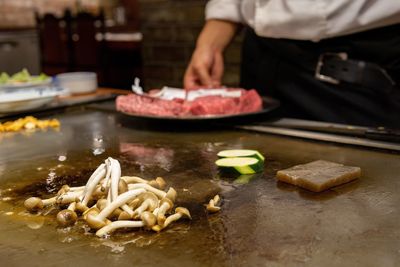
(110, 201)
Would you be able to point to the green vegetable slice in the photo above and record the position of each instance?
(243, 165)
(234, 153)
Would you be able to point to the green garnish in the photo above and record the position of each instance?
(4, 77)
(21, 77)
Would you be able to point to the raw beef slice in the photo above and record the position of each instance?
(249, 101)
(144, 105)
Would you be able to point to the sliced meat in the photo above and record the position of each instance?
(249, 101)
(145, 105)
(319, 175)
(213, 105)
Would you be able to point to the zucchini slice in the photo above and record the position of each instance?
(243, 165)
(236, 153)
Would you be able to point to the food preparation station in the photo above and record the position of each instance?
(261, 222)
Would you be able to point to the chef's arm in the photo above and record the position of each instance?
(206, 66)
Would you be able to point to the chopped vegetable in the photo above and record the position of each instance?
(241, 165)
(28, 123)
(21, 77)
(4, 77)
(235, 153)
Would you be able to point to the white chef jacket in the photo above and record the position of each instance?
(306, 19)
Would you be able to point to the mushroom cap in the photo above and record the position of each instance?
(167, 200)
(171, 194)
(33, 204)
(134, 203)
(161, 182)
(156, 228)
(115, 213)
(101, 203)
(211, 205)
(148, 218)
(122, 186)
(93, 210)
(184, 212)
(81, 207)
(66, 217)
(64, 189)
(94, 222)
(124, 216)
(98, 192)
(151, 198)
(216, 199)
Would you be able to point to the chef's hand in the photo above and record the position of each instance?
(205, 69)
(206, 66)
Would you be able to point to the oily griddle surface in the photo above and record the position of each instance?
(261, 223)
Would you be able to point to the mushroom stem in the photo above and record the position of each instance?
(134, 179)
(216, 199)
(77, 188)
(94, 174)
(212, 204)
(66, 188)
(68, 197)
(118, 224)
(90, 187)
(119, 201)
(35, 203)
(72, 206)
(128, 210)
(159, 193)
(142, 207)
(49, 201)
(105, 182)
(179, 213)
(99, 220)
(155, 211)
(171, 194)
(115, 176)
(147, 220)
(149, 202)
(166, 205)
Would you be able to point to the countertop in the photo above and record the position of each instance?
(261, 223)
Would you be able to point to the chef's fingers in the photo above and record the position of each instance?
(190, 80)
(217, 69)
(203, 74)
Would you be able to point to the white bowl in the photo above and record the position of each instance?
(78, 82)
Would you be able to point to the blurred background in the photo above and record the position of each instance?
(117, 39)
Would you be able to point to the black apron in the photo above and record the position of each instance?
(285, 69)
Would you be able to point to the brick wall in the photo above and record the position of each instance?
(20, 13)
(170, 29)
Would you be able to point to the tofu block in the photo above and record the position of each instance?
(318, 175)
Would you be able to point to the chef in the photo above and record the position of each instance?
(336, 61)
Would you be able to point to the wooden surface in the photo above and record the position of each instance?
(101, 91)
